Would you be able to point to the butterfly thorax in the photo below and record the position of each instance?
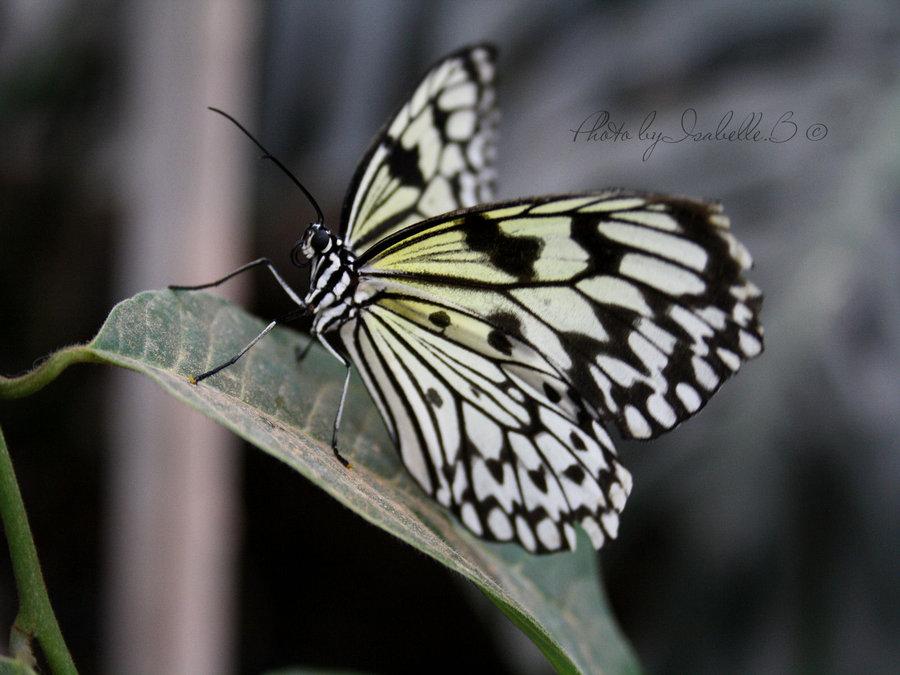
(333, 282)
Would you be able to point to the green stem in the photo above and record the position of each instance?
(35, 618)
(46, 371)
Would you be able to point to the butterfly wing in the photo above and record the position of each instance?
(434, 156)
(639, 299)
(486, 427)
(533, 321)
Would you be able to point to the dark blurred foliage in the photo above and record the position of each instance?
(761, 537)
(57, 226)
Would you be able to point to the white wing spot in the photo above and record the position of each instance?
(661, 338)
(605, 387)
(688, 396)
(704, 373)
(741, 314)
(749, 344)
(475, 150)
(561, 205)
(526, 536)
(470, 518)
(610, 521)
(548, 533)
(399, 123)
(661, 410)
(618, 370)
(617, 496)
(460, 96)
(637, 424)
(467, 185)
(608, 290)
(436, 197)
(524, 449)
(484, 433)
(552, 502)
(601, 435)
(720, 220)
(484, 65)
(624, 477)
(500, 525)
(745, 291)
(614, 205)
(460, 483)
(714, 316)
(650, 355)
(461, 124)
(729, 358)
(452, 160)
(696, 328)
(594, 532)
(443, 496)
(419, 99)
(660, 221)
(674, 248)
(563, 308)
(666, 277)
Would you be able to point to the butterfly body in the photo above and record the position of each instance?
(334, 278)
(500, 341)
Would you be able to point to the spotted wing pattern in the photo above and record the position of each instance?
(639, 299)
(501, 336)
(436, 155)
(486, 426)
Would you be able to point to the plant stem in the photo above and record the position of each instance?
(45, 372)
(35, 618)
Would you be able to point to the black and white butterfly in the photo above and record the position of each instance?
(500, 341)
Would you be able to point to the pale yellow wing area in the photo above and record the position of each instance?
(639, 300)
(434, 156)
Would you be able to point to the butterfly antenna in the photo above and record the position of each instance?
(269, 155)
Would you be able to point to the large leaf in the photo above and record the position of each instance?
(287, 409)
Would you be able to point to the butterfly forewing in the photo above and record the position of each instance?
(639, 300)
(435, 155)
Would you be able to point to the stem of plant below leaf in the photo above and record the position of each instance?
(35, 618)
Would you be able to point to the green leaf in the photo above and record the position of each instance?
(287, 409)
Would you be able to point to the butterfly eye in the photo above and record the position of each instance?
(319, 241)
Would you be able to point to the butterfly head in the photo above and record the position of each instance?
(316, 240)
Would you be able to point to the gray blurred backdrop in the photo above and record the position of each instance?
(760, 537)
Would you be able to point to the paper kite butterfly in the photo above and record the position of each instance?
(500, 341)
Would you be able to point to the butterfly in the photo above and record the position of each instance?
(500, 341)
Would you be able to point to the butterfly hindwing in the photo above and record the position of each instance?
(638, 300)
(486, 426)
(434, 156)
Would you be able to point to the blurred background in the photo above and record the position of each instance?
(763, 536)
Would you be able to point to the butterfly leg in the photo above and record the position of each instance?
(290, 316)
(301, 352)
(243, 268)
(337, 418)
